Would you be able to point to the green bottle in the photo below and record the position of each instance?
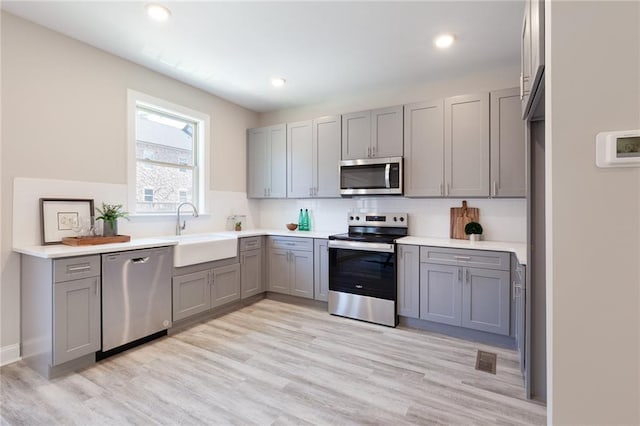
(307, 225)
(301, 221)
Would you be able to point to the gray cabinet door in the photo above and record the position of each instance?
(251, 273)
(76, 319)
(386, 132)
(424, 149)
(300, 160)
(485, 300)
(279, 271)
(191, 294)
(508, 163)
(466, 136)
(277, 136)
(356, 135)
(225, 285)
(326, 149)
(440, 293)
(257, 159)
(321, 270)
(301, 273)
(409, 281)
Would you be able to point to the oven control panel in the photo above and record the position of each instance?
(378, 219)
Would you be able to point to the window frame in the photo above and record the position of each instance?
(203, 173)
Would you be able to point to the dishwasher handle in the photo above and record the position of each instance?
(140, 259)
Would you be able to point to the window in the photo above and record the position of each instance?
(148, 195)
(167, 164)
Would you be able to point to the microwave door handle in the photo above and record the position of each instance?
(387, 171)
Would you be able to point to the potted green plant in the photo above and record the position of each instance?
(238, 226)
(109, 214)
(473, 230)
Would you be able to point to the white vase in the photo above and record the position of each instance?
(474, 237)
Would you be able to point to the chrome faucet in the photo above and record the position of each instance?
(179, 227)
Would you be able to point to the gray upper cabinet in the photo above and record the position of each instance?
(326, 151)
(386, 132)
(191, 294)
(408, 281)
(424, 149)
(76, 319)
(356, 135)
(321, 269)
(532, 56)
(313, 155)
(466, 137)
(267, 162)
(225, 285)
(485, 300)
(300, 159)
(507, 145)
(371, 134)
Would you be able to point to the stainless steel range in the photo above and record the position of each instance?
(362, 267)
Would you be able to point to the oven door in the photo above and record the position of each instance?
(366, 269)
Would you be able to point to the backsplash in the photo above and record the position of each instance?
(502, 219)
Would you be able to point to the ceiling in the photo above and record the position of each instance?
(323, 49)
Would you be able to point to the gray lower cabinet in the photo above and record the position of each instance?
(191, 294)
(467, 288)
(440, 294)
(291, 266)
(485, 300)
(321, 270)
(76, 319)
(204, 289)
(225, 285)
(60, 312)
(251, 273)
(408, 281)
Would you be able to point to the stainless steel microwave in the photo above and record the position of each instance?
(371, 176)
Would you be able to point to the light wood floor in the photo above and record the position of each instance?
(277, 363)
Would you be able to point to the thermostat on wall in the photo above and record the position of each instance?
(618, 149)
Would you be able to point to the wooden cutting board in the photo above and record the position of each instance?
(92, 241)
(460, 216)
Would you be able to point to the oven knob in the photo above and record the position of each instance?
(350, 217)
(402, 219)
(357, 217)
(395, 219)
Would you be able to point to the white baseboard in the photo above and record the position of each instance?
(9, 354)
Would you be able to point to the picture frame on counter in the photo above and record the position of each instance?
(63, 217)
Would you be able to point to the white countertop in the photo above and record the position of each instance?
(61, 250)
(520, 249)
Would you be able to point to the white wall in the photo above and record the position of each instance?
(593, 226)
(64, 122)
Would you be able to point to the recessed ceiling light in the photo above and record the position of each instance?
(278, 81)
(444, 40)
(158, 12)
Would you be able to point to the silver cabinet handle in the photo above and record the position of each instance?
(467, 276)
(401, 252)
(495, 188)
(373, 151)
(459, 275)
(462, 257)
(446, 193)
(369, 152)
(78, 268)
(96, 283)
(441, 189)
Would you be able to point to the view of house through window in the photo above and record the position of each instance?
(166, 160)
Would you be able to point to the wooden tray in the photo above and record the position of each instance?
(92, 241)
(460, 216)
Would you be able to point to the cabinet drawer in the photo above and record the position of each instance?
(462, 257)
(76, 268)
(291, 243)
(250, 243)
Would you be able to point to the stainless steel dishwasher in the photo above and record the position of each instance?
(136, 295)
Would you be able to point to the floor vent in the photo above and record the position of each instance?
(486, 361)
